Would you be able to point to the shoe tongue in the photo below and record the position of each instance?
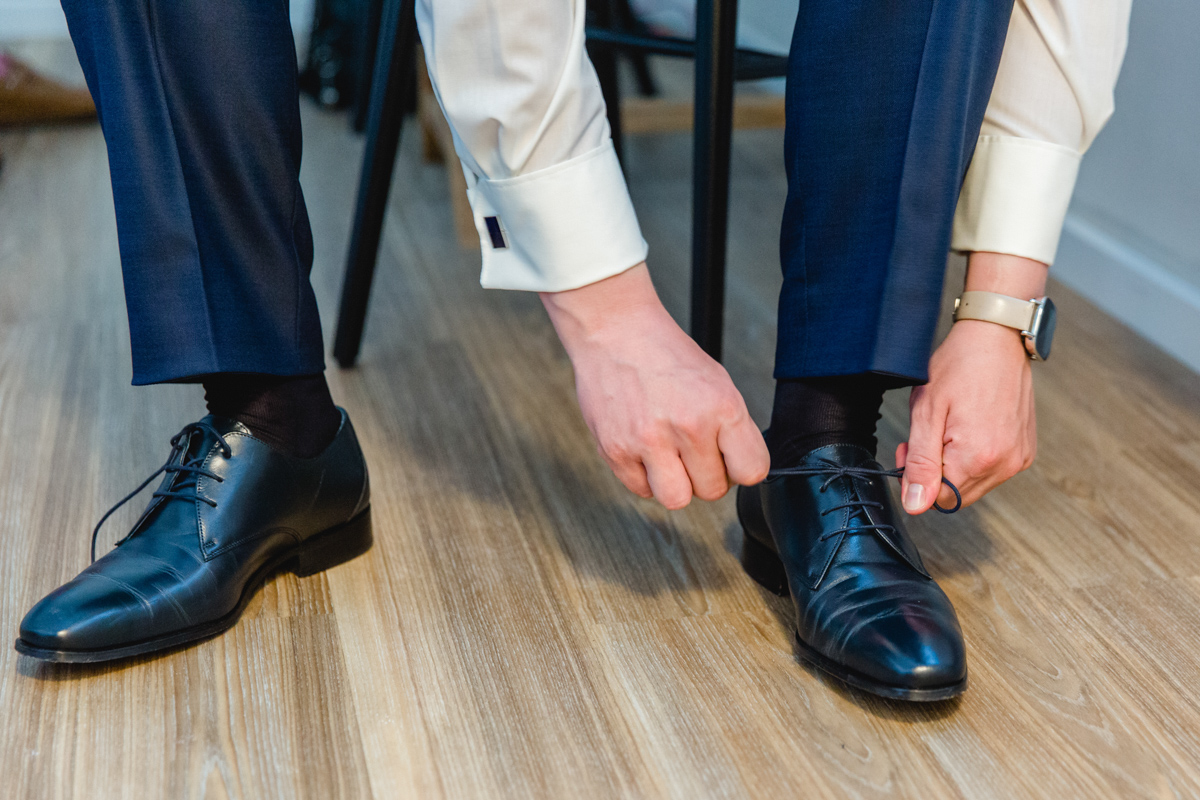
(200, 443)
(844, 455)
(850, 455)
(224, 425)
(858, 516)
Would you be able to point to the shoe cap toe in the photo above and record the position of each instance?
(910, 648)
(83, 615)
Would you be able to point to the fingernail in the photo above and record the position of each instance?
(914, 497)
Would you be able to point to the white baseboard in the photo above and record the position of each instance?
(1131, 286)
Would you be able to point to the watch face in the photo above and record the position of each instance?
(1043, 328)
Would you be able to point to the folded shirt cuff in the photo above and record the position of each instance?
(558, 228)
(1015, 197)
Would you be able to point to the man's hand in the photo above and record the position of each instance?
(666, 417)
(974, 421)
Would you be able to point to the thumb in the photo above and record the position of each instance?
(921, 458)
(747, 460)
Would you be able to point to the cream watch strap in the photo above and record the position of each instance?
(1011, 312)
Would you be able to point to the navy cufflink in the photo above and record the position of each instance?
(495, 232)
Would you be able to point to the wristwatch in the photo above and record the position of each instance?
(1035, 319)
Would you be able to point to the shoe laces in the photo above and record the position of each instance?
(192, 468)
(834, 471)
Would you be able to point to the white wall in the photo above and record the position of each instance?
(1132, 241)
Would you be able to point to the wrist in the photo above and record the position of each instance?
(989, 338)
(1005, 274)
(591, 313)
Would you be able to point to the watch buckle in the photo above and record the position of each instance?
(1029, 337)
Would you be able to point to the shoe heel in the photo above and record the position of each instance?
(760, 561)
(761, 564)
(334, 546)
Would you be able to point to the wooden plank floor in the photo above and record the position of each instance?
(524, 628)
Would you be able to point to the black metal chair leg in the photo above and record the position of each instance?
(368, 42)
(397, 45)
(627, 20)
(604, 61)
(716, 28)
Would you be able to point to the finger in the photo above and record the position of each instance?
(946, 497)
(705, 467)
(972, 490)
(922, 481)
(633, 475)
(948, 500)
(744, 451)
(984, 479)
(966, 483)
(978, 471)
(669, 480)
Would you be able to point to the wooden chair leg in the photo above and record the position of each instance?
(716, 28)
(439, 147)
(658, 115)
(431, 148)
(393, 65)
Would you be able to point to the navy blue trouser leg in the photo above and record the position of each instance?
(200, 110)
(885, 99)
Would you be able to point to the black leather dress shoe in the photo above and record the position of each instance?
(867, 612)
(230, 512)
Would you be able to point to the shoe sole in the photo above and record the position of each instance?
(764, 566)
(323, 551)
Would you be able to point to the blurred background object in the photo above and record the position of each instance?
(29, 98)
(332, 69)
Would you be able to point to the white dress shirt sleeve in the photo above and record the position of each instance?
(529, 123)
(1053, 94)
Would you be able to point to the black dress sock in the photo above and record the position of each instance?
(292, 414)
(815, 412)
